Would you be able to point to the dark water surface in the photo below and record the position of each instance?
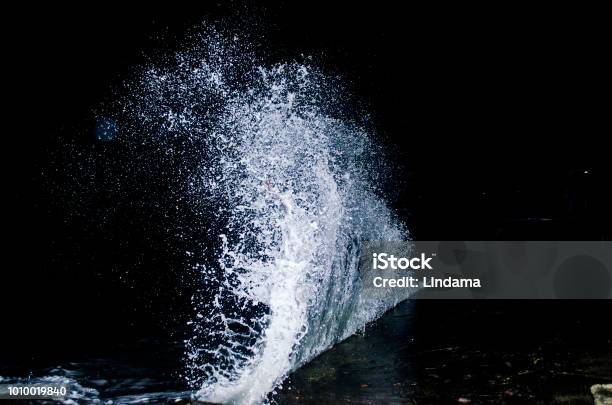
(422, 352)
(428, 352)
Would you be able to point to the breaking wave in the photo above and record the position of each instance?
(289, 184)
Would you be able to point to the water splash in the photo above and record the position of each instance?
(288, 184)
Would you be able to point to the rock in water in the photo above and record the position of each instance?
(602, 394)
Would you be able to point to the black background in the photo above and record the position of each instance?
(498, 121)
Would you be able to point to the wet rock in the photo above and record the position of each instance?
(602, 394)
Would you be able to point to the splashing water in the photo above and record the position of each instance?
(289, 186)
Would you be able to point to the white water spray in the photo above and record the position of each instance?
(291, 184)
